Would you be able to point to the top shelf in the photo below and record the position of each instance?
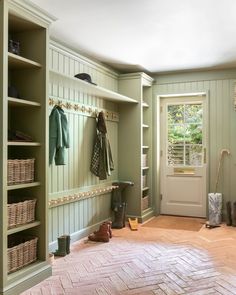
(93, 89)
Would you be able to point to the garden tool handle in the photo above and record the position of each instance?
(219, 166)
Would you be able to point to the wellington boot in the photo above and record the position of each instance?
(234, 214)
(119, 217)
(228, 213)
(67, 237)
(61, 246)
(101, 235)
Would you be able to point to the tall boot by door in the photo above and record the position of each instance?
(234, 214)
(119, 217)
(228, 213)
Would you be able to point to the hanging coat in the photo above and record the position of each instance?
(58, 136)
(102, 162)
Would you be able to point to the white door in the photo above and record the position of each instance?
(183, 156)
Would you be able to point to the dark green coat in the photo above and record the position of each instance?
(58, 136)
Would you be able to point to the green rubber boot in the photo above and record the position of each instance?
(62, 246)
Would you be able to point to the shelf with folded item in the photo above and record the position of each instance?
(92, 89)
(18, 102)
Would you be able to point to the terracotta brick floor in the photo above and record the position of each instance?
(148, 261)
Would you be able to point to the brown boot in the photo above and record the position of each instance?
(102, 235)
(109, 223)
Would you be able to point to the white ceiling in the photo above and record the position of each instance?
(152, 35)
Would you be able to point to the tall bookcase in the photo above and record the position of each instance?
(135, 144)
(25, 111)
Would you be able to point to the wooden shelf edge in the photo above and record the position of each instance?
(22, 102)
(22, 227)
(23, 143)
(22, 185)
(19, 61)
(96, 90)
(145, 168)
(145, 188)
(145, 126)
(145, 146)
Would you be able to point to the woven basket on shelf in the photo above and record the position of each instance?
(20, 171)
(21, 213)
(21, 252)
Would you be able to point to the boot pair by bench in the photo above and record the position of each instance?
(231, 213)
(104, 234)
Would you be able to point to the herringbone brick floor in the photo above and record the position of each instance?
(148, 261)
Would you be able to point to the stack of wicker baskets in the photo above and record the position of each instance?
(21, 252)
(20, 171)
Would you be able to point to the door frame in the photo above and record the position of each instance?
(157, 142)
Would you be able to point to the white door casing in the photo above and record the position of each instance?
(183, 182)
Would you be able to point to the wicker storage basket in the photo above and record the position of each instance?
(21, 213)
(145, 202)
(21, 252)
(20, 171)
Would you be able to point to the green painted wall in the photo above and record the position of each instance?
(81, 217)
(222, 121)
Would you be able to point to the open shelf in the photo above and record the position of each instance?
(145, 147)
(145, 168)
(19, 62)
(145, 105)
(23, 185)
(145, 126)
(93, 89)
(145, 188)
(23, 143)
(22, 227)
(18, 102)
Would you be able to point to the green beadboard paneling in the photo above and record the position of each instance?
(73, 217)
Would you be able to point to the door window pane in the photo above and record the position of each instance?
(185, 135)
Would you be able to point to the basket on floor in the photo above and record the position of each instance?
(20, 171)
(21, 252)
(21, 213)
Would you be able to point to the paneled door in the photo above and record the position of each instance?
(183, 156)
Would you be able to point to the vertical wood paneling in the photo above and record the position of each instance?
(222, 127)
(76, 174)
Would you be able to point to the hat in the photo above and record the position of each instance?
(84, 76)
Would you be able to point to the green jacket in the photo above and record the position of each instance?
(58, 136)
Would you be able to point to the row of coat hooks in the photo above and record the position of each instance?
(80, 196)
(83, 109)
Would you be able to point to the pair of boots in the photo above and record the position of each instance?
(231, 213)
(104, 234)
(120, 215)
(63, 246)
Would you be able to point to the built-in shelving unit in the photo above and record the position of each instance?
(135, 152)
(91, 88)
(24, 138)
